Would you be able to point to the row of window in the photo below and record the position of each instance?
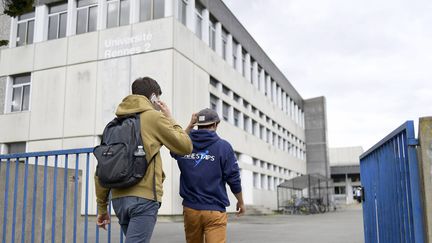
(266, 182)
(267, 130)
(118, 14)
(239, 59)
(272, 167)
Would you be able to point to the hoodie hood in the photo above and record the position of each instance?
(133, 104)
(202, 139)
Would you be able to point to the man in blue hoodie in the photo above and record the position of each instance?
(204, 175)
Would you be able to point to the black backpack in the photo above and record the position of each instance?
(120, 165)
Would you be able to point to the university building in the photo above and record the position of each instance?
(70, 63)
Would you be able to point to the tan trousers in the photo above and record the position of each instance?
(204, 226)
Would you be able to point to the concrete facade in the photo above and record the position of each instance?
(78, 81)
(316, 136)
(345, 172)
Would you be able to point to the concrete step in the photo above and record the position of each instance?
(258, 210)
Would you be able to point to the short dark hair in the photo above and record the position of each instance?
(146, 86)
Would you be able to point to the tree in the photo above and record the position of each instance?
(15, 8)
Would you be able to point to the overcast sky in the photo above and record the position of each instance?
(371, 59)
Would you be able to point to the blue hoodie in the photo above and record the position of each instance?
(205, 172)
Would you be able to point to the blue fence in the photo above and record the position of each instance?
(392, 210)
(42, 198)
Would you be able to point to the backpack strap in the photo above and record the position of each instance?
(138, 137)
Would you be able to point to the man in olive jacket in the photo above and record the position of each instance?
(137, 206)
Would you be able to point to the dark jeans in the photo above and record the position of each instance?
(137, 217)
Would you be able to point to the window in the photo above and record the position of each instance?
(262, 129)
(25, 29)
(263, 164)
(214, 102)
(20, 93)
(16, 148)
(236, 97)
(212, 34)
(236, 117)
(118, 13)
(243, 63)
(145, 10)
(251, 70)
(213, 82)
(255, 162)
(259, 78)
(158, 9)
(224, 43)
(245, 104)
(245, 123)
(263, 181)
(225, 111)
(254, 123)
(234, 53)
(225, 90)
(268, 135)
(57, 19)
(256, 180)
(254, 109)
(182, 10)
(86, 16)
(339, 190)
(198, 19)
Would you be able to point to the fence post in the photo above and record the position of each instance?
(425, 160)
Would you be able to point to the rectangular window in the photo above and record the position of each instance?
(236, 117)
(256, 180)
(57, 19)
(16, 148)
(182, 10)
(224, 43)
(20, 93)
(225, 111)
(225, 90)
(234, 53)
(158, 9)
(86, 16)
(243, 63)
(214, 102)
(198, 19)
(25, 29)
(245, 123)
(263, 181)
(245, 104)
(236, 97)
(213, 82)
(262, 129)
(212, 34)
(251, 70)
(268, 136)
(118, 13)
(145, 10)
(254, 124)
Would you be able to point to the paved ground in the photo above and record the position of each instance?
(342, 226)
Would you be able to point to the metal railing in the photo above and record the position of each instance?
(392, 208)
(43, 191)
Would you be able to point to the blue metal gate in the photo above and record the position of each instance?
(31, 181)
(392, 207)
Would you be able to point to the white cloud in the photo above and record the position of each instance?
(371, 59)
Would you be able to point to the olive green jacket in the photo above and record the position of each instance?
(156, 130)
